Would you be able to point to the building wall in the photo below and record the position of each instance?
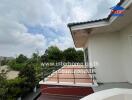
(105, 52)
(126, 39)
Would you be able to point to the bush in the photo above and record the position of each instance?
(16, 66)
(15, 87)
(29, 73)
(3, 87)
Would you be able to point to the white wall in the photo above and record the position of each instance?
(126, 39)
(113, 53)
(105, 49)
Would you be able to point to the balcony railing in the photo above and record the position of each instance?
(73, 71)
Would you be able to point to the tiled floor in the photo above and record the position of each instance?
(80, 75)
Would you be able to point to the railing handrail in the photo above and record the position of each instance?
(90, 72)
(71, 78)
(79, 68)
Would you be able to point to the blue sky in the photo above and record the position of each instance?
(30, 25)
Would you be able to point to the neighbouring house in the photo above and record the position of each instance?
(107, 42)
(6, 58)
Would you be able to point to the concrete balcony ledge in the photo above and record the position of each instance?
(111, 94)
(68, 84)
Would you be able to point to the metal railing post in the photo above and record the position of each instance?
(43, 71)
(57, 76)
(92, 72)
(74, 76)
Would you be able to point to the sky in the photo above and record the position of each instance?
(27, 26)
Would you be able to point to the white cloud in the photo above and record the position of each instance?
(80, 14)
(16, 14)
(14, 39)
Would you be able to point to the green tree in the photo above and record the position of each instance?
(11, 89)
(3, 83)
(70, 55)
(44, 57)
(21, 59)
(52, 54)
(36, 61)
(29, 73)
(15, 88)
(15, 65)
(35, 58)
(18, 63)
(80, 56)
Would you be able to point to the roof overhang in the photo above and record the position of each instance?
(81, 31)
